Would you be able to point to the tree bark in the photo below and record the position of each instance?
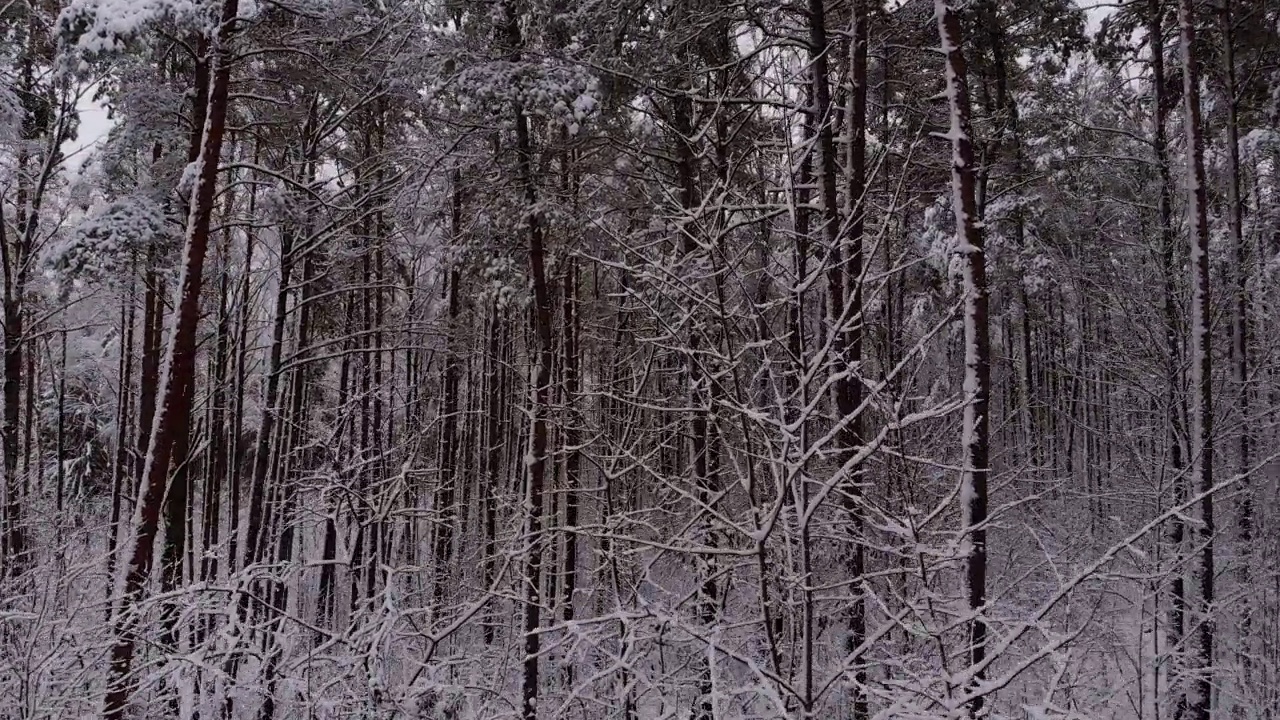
(120, 467)
(572, 461)
(538, 460)
(179, 364)
(449, 451)
(1239, 333)
(852, 437)
(493, 459)
(977, 344)
(1200, 700)
(1176, 627)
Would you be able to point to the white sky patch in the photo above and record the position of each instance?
(95, 125)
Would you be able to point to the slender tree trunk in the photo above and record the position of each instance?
(838, 312)
(797, 387)
(259, 516)
(152, 339)
(120, 469)
(328, 603)
(1175, 627)
(852, 437)
(287, 459)
(377, 429)
(493, 460)
(14, 551)
(1239, 333)
(1200, 701)
(699, 394)
(545, 348)
(179, 364)
(15, 263)
(60, 457)
(571, 438)
(218, 447)
(32, 469)
(234, 470)
(977, 369)
(449, 450)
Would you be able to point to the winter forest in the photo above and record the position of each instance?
(640, 359)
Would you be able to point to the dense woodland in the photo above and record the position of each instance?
(640, 359)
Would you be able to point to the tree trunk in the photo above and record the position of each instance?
(256, 541)
(977, 370)
(60, 457)
(1200, 701)
(1175, 627)
(1239, 335)
(545, 348)
(120, 468)
(217, 435)
(14, 536)
(234, 470)
(852, 437)
(172, 555)
(449, 450)
(493, 459)
(179, 364)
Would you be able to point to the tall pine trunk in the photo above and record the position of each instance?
(179, 364)
(977, 344)
(572, 461)
(446, 509)
(1176, 626)
(544, 353)
(852, 437)
(1200, 699)
(1239, 333)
